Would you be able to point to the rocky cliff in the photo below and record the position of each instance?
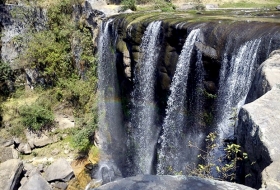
(258, 126)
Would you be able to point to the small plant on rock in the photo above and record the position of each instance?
(224, 168)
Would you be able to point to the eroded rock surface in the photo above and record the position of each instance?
(36, 182)
(10, 172)
(258, 134)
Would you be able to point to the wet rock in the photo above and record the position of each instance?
(153, 182)
(267, 76)
(24, 148)
(36, 182)
(207, 50)
(10, 172)
(210, 86)
(59, 170)
(258, 134)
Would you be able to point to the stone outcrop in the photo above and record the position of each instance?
(10, 172)
(7, 153)
(24, 148)
(37, 140)
(151, 182)
(267, 76)
(60, 170)
(36, 182)
(258, 134)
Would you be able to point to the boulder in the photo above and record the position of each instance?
(8, 143)
(10, 172)
(36, 182)
(24, 148)
(60, 170)
(267, 75)
(258, 134)
(211, 6)
(186, 6)
(7, 153)
(207, 50)
(59, 186)
(154, 182)
(278, 7)
(37, 140)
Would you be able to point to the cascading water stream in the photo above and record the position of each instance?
(172, 155)
(236, 77)
(144, 129)
(110, 126)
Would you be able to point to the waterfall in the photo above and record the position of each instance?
(198, 96)
(144, 129)
(110, 126)
(236, 77)
(173, 155)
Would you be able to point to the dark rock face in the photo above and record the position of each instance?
(150, 182)
(267, 76)
(258, 134)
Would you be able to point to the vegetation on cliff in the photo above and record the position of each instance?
(66, 81)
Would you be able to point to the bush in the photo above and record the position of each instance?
(128, 4)
(36, 117)
(164, 6)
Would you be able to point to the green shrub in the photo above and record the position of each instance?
(5, 71)
(129, 4)
(164, 6)
(36, 117)
(81, 140)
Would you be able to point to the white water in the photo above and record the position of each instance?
(144, 130)
(236, 77)
(110, 126)
(172, 155)
(198, 96)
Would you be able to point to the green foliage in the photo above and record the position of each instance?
(81, 140)
(164, 6)
(128, 4)
(225, 167)
(46, 54)
(36, 117)
(51, 51)
(209, 95)
(6, 74)
(5, 71)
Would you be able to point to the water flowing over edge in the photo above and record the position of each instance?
(169, 154)
(110, 126)
(236, 77)
(144, 130)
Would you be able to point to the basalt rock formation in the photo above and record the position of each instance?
(222, 59)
